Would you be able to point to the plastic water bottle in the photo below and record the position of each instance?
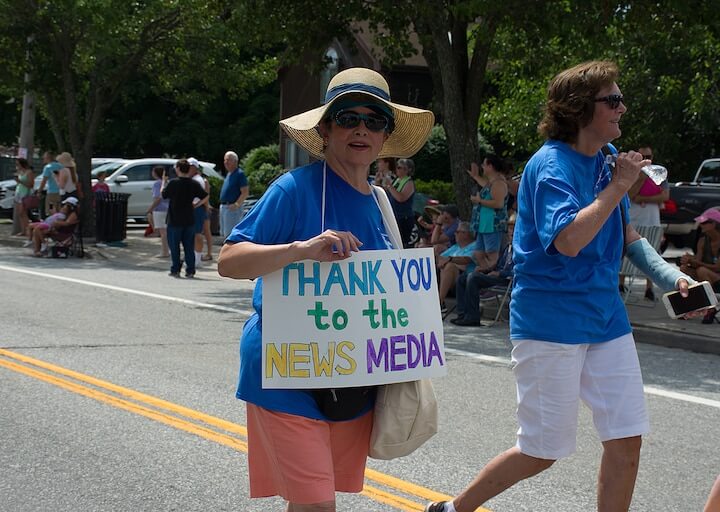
(657, 173)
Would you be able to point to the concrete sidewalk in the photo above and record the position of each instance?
(650, 321)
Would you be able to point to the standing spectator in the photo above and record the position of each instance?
(158, 209)
(66, 177)
(234, 191)
(324, 211)
(646, 198)
(52, 197)
(489, 216)
(25, 179)
(444, 227)
(202, 220)
(185, 195)
(385, 168)
(100, 187)
(571, 336)
(472, 282)
(401, 193)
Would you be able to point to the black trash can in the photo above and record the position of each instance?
(111, 216)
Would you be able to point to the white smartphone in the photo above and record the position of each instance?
(700, 296)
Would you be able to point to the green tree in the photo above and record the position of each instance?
(83, 55)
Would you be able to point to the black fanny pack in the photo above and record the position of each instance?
(340, 404)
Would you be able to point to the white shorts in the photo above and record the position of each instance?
(551, 380)
(159, 220)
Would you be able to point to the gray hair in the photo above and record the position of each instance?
(232, 155)
(407, 162)
(466, 226)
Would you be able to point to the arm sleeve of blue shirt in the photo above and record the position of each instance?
(242, 180)
(556, 206)
(271, 220)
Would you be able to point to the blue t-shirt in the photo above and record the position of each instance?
(555, 297)
(234, 181)
(457, 251)
(162, 206)
(289, 211)
(50, 183)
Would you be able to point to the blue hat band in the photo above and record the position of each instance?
(355, 87)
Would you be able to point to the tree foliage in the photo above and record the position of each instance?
(82, 55)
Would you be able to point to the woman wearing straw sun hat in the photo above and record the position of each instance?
(66, 177)
(323, 211)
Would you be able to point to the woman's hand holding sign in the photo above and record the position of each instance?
(330, 245)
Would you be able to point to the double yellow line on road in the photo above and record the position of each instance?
(195, 422)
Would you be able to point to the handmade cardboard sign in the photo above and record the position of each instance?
(373, 318)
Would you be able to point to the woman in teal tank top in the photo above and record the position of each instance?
(25, 179)
(489, 215)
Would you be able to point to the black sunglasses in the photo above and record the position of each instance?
(374, 122)
(613, 100)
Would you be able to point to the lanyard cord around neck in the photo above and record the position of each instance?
(322, 203)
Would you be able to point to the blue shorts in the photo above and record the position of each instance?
(488, 242)
(200, 216)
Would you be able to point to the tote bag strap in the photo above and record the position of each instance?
(388, 217)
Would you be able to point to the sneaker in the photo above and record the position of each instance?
(206, 257)
(466, 322)
(623, 289)
(174, 274)
(27, 243)
(437, 506)
(189, 275)
(443, 308)
(650, 294)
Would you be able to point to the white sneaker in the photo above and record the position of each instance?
(27, 243)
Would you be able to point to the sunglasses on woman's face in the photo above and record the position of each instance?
(350, 119)
(613, 100)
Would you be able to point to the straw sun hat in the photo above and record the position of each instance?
(65, 159)
(412, 125)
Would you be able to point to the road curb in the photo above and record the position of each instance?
(675, 339)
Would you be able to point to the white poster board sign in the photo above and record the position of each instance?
(371, 319)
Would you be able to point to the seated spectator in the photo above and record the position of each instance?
(45, 224)
(705, 264)
(426, 224)
(443, 233)
(454, 260)
(68, 207)
(470, 284)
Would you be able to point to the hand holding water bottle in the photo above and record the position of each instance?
(657, 173)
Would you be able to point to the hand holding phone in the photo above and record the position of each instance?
(700, 296)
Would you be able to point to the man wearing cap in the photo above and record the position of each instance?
(443, 234)
(233, 194)
(52, 198)
(202, 222)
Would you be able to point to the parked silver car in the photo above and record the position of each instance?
(135, 177)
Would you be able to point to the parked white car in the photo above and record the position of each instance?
(135, 177)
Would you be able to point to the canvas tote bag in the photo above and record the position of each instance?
(406, 413)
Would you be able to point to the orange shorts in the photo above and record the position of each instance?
(305, 460)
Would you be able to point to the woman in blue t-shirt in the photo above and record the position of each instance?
(324, 211)
(571, 336)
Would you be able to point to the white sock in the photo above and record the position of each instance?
(449, 507)
(198, 258)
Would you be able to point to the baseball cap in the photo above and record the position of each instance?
(70, 200)
(709, 214)
(194, 162)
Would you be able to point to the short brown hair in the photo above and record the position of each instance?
(571, 98)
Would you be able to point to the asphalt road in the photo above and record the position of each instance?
(71, 443)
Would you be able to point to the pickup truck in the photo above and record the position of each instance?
(687, 201)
